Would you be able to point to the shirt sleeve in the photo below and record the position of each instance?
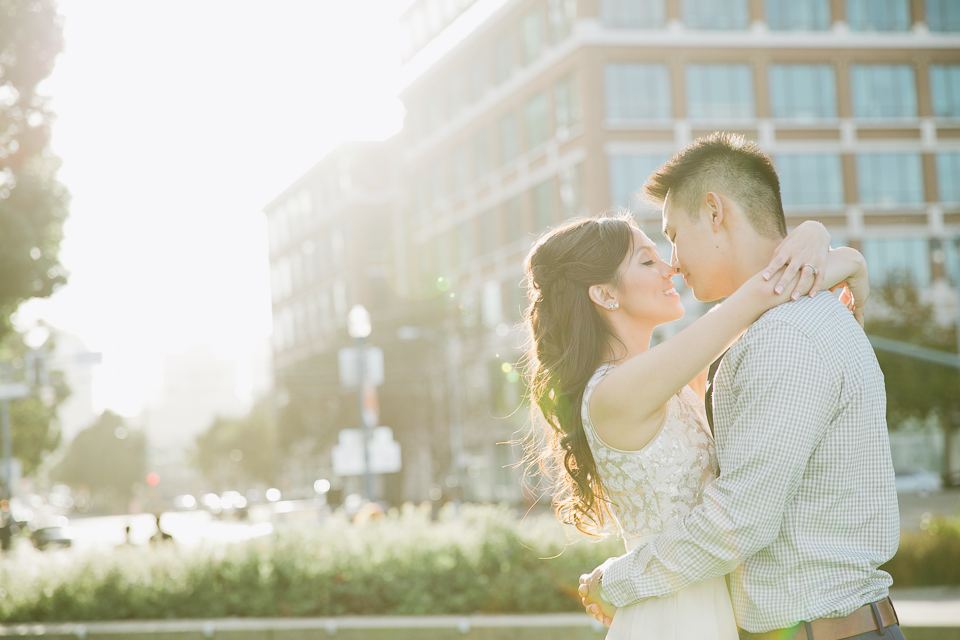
(785, 399)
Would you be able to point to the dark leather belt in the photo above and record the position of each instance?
(869, 617)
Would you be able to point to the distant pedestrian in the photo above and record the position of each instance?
(160, 536)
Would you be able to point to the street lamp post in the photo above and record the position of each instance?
(359, 328)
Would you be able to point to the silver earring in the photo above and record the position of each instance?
(613, 305)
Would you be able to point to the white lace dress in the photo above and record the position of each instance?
(650, 488)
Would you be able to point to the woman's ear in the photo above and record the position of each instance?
(602, 297)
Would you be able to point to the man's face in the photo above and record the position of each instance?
(695, 252)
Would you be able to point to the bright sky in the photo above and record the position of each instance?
(178, 120)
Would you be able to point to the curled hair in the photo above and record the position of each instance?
(569, 339)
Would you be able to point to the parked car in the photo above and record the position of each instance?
(56, 536)
(918, 481)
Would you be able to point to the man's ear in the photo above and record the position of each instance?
(601, 295)
(715, 210)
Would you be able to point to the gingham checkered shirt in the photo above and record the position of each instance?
(804, 509)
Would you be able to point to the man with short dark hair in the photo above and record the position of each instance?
(804, 510)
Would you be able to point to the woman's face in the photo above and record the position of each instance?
(645, 290)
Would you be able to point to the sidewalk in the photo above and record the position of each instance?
(925, 614)
(928, 606)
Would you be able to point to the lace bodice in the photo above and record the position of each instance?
(662, 482)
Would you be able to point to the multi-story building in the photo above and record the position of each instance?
(335, 240)
(521, 113)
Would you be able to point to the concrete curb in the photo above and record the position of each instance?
(927, 613)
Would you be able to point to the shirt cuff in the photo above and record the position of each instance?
(620, 577)
(603, 594)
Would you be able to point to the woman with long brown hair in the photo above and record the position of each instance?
(622, 431)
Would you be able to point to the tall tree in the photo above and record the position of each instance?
(234, 453)
(916, 388)
(33, 419)
(107, 458)
(33, 204)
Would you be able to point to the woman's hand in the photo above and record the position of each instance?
(845, 268)
(805, 247)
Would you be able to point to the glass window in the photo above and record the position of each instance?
(478, 77)
(878, 15)
(537, 120)
(798, 15)
(436, 189)
(571, 191)
(418, 196)
(482, 158)
(810, 180)
(803, 91)
(434, 18)
(951, 263)
(432, 114)
(561, 15)
(627, 173)
(488, 232)
(516, 304)
(890, 178)
(719, 91)
(945, 90)
(456, 95)
(503, 57)
(633, 14)
(513, 223)
(636, 92)
(948, 176)
(566, 103)
(543, 205)
(509, 138)
(531, 36)
(884, 91)
(715, 14)
(442, 259)
(943, 15)
(459, 168)
(887, 256)
(467, 244)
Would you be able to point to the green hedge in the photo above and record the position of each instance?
(404, 564)
(484, 560)
(929, 557)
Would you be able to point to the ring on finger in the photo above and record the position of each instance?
(812, 268)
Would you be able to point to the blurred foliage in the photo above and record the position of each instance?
(403, 564)
(253, 436)
(916, 388)
(485, 560)
(929, 557)
(34, 428)
(107, 458)
(33, 204)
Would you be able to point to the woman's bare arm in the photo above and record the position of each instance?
(652, 377)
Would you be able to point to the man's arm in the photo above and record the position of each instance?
(784, 404)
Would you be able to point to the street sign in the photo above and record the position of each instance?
(348, 364)
(348, 453)
(14, 390)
